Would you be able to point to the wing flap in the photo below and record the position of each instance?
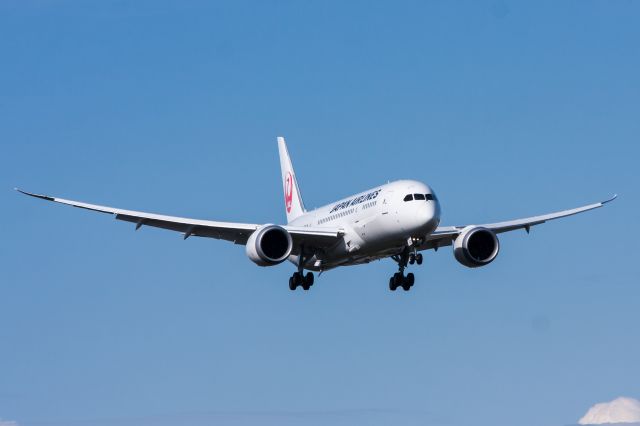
(314, 237)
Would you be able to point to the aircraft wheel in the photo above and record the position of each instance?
(411, 279)
(412, 259)
(295, 281)
(392, 284)
(309, 278)
(419, 258)
(398, 279)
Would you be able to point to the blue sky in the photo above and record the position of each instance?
(506, 108)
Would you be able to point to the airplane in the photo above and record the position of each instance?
(396, 220)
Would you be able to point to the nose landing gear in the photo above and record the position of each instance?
(399, 279)
(415, 258)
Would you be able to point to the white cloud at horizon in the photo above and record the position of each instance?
(8, 422)
(620, 410)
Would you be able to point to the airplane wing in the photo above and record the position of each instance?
(444, 235)
(238, 233)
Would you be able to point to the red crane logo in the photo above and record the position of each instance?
(288, 191)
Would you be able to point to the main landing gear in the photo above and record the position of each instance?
(299, 278)
(399, 279)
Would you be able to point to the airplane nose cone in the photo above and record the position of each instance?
(433, 216)
(427, 217)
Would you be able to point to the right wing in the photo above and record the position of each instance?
(237, 233)
(444, 235)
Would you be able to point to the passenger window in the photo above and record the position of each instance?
(418, 196)
(409, 197)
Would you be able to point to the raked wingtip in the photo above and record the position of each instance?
(31, 194)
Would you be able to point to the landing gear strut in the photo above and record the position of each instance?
(399, 279)
(298, 278)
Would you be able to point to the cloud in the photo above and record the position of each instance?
(8, 423)
(620, 410)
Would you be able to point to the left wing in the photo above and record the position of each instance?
(238, 233)
(444, 235)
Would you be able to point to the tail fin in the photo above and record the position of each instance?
(292, 197)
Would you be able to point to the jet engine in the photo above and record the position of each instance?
(269, 245)
(476, 246)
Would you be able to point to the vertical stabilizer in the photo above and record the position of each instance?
(293, 204)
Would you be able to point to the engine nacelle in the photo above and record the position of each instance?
(269, 245)
(476, 246)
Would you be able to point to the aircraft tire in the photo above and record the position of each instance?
(392, 284)
(309, 279)
(398, 279)
(292, 284)
(411, 279)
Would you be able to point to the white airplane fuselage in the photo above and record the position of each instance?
(376, 223)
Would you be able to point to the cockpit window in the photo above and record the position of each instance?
(409, 197)
(429, 197)
(418, 196)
